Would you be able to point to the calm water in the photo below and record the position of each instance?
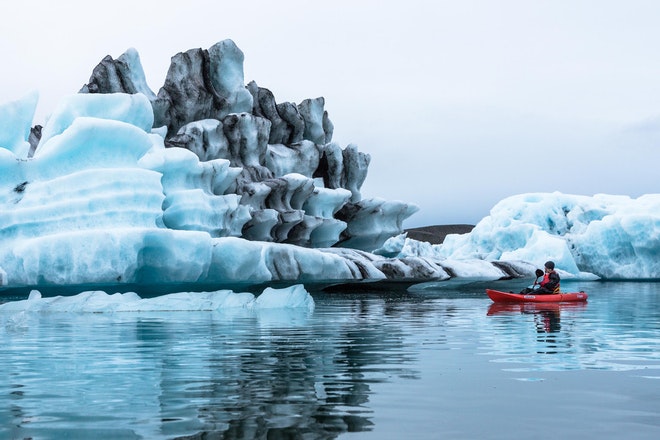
(439, 362)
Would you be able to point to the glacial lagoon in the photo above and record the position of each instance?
(436, 361)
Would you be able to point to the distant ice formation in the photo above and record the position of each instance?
(611, 237)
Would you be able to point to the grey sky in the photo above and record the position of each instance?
(460, 103)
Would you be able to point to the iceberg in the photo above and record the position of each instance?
(207, 181)
(604, 236)
(211, 181)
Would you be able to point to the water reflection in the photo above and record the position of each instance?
(300, 375)
(187, 375)
(547, 316)
(546, 321)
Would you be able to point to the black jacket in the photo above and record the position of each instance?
(550, 281)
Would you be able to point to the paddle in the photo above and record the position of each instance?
(526, 290)
(539, 273)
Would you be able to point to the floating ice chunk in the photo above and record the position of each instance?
(287, 307)
(294, 297)
(289, 297)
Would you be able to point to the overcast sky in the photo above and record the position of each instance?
(460, 103)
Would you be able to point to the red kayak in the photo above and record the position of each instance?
(508, 297)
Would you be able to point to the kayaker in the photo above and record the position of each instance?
(550, 282)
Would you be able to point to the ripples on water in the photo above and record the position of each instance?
(348, 367)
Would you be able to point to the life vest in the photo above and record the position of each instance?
(546, 280)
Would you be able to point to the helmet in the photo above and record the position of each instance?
(550, 265)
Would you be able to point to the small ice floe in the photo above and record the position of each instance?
(293, 297)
